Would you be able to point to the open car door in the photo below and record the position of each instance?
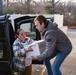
(5, 48)
(26, 23)
(8, 28)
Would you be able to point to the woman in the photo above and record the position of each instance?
(20, 48)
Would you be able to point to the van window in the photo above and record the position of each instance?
(29, 28)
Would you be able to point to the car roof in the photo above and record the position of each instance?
(19, 17)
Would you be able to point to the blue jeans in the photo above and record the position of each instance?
(54, 69)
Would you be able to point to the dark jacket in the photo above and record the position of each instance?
(56, 40)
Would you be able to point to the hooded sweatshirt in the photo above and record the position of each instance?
(55, 39)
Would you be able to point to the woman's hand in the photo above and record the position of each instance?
(21, 53)
(30, 49)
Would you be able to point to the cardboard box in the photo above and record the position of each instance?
(38, 48)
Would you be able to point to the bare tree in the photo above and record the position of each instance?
(1, 7)
(50, 5)
(53, 4)
(7, 3)
(37, 7)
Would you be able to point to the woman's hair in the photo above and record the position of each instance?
(41, 19)
(17, 33)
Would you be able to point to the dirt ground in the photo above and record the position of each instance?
(69, 65)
